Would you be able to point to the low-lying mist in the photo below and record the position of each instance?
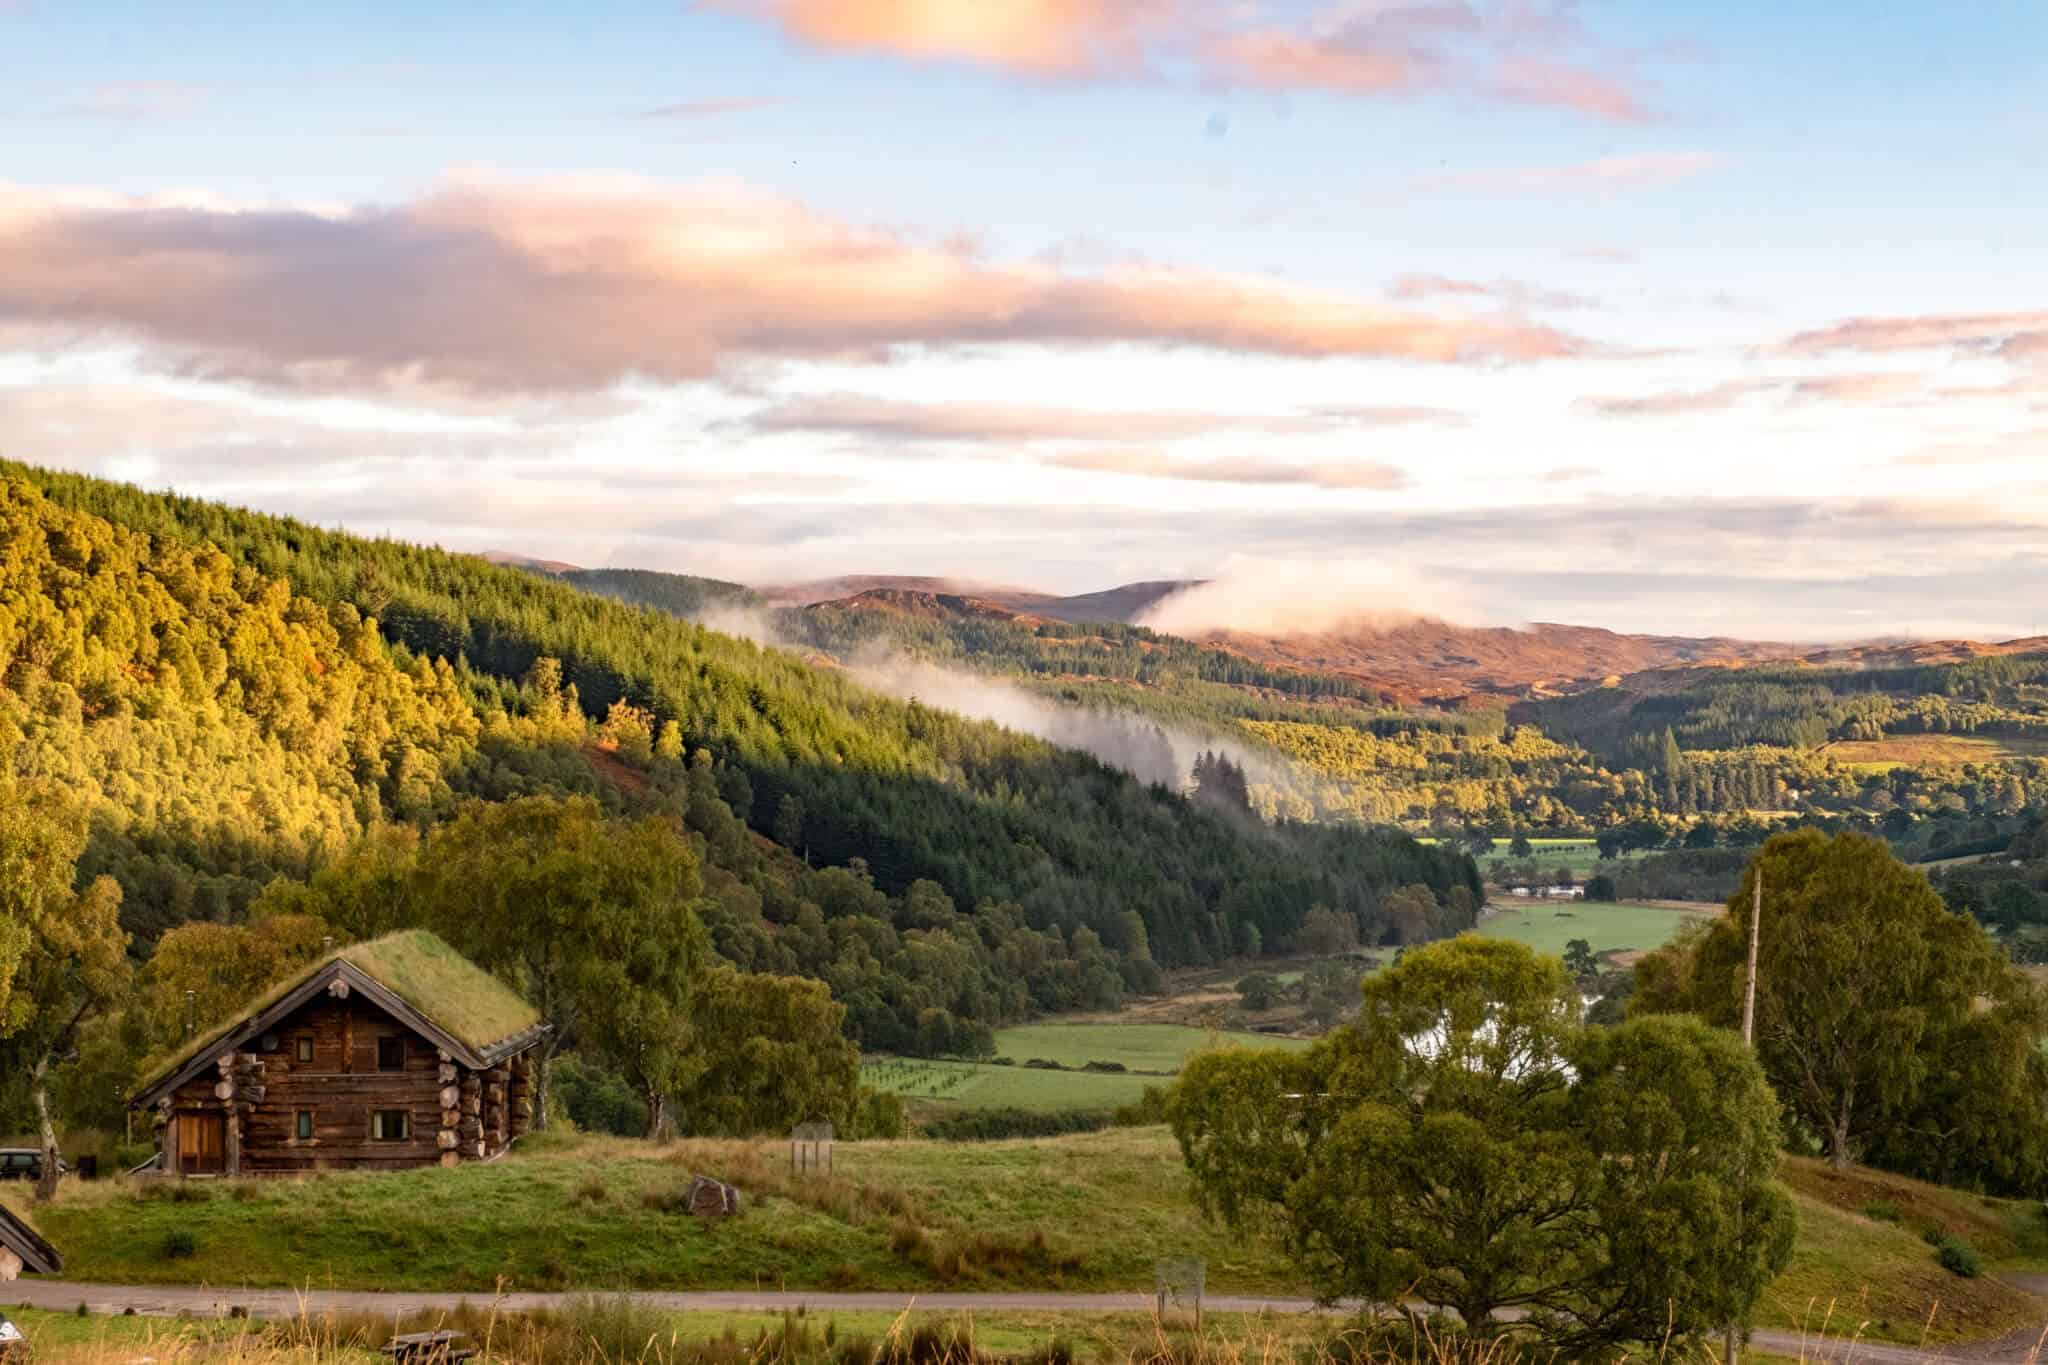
(1137, 744)
(1148, 750)
(1283, 597)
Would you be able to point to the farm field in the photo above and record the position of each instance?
(1090, 1212)
(1141, 1047)
(1580, 856)
(972, 1085)
(1147, 1051)
(1608, 928)
(1922, 751)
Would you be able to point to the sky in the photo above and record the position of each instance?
(1665, 316)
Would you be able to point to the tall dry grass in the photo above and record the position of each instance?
(618, 1330)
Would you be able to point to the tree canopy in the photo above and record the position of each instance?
(1611, 1184)
(1892, 1027)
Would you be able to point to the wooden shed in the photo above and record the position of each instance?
(389, 1054)
(21, 1250)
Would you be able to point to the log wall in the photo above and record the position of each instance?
(455, 1114)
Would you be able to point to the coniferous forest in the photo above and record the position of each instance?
(231, 699)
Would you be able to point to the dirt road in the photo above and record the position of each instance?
(206, 1301)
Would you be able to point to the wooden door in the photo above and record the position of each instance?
(202, 1144)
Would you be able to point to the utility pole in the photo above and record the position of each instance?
(1756, 920)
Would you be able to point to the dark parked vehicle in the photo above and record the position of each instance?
(25, 1163)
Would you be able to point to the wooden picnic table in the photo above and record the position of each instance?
(422, 1347)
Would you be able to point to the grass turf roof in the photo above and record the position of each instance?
(418, 968)
(445, 986)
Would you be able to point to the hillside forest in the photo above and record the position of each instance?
(253, 736)
(1941, 758)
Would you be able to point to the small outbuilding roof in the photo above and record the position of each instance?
(412, 975)
(37, 1256)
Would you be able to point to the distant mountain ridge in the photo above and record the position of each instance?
(1412, 661)
(1408, 662)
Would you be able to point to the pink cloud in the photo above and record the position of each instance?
(1874, 387)
(889, 419)
(1509, 292)
(1565, 85)
(1064, 38)
(1148, 464)
(492, 285)
(1674, 403)
(2012, 334)
(1504, 51)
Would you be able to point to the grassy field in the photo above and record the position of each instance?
(1094, 1211)
(1582, 856)
(1927, 751)
(1141, 1047)
(1608, 928)
(1088, 1212)
(968, 1085)
(1147, 1051)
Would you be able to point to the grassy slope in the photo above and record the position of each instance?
(574, 1213)
(1547, 928)
(1157, 1049)
(1856, 1269)
(1090, 1212)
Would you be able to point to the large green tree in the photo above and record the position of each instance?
(770, 1053)
(1878, 1010)
(592, 919)
(203, 972)
(1469, 1142)
(75, 959)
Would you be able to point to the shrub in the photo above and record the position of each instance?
(674, 1199)
(616, 1326)
(1958, 1257)
(1883, 1211)
(1150, 1109)
(1002, 1061)
(1043, 1064)
(179, 1243)
(984, 1125)
(1105, 1066)
(879, 1114)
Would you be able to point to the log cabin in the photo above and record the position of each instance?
(389, 1054)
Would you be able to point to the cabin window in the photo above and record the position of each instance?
(305, 1121)
(390, 1125)
(391, 1054)
(303, 1047)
